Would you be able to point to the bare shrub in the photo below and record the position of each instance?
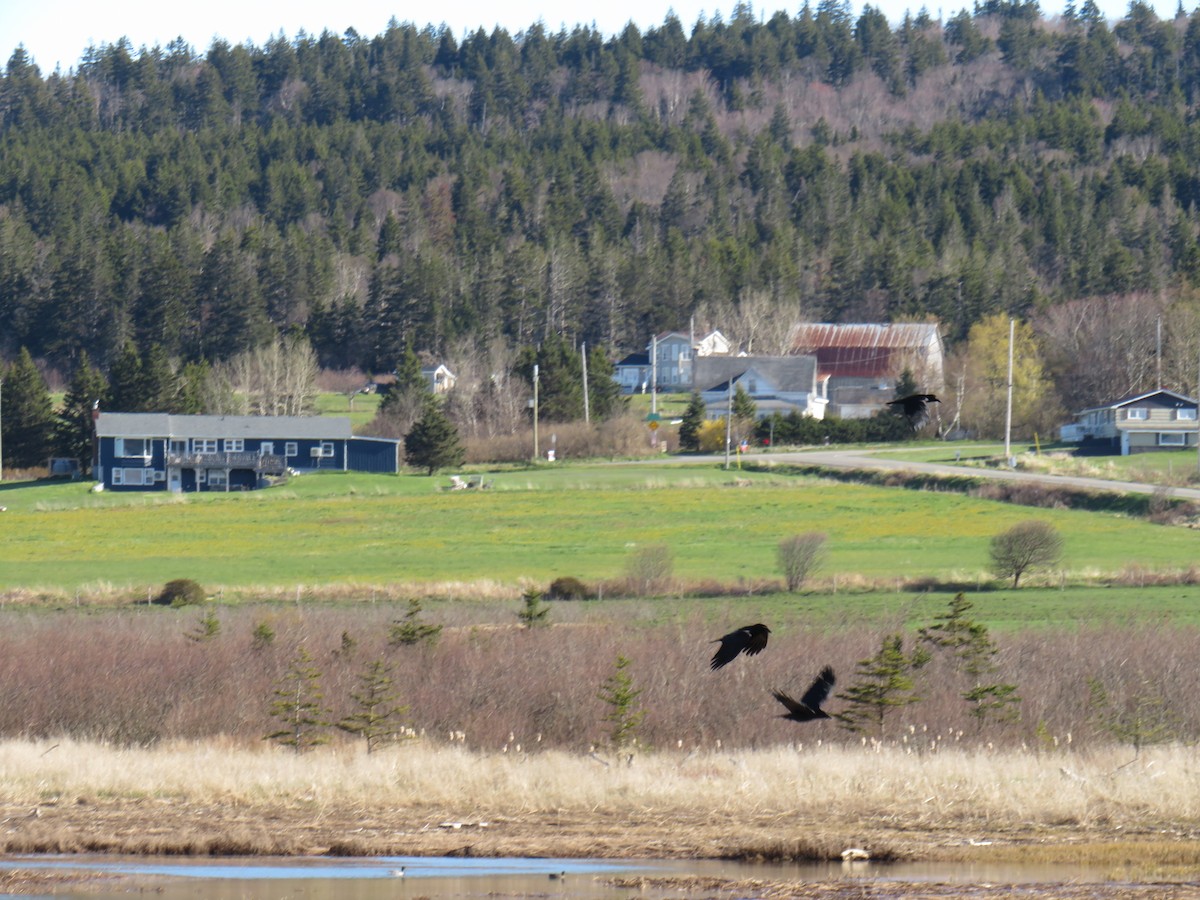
(621, 437)
(181, 592)
(567, 588)
(648, 569)
(1025, 546)
(799, 556)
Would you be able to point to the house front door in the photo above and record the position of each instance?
(174, 480)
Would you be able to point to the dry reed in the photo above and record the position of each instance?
(975, 792)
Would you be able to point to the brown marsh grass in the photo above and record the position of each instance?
(977, 793)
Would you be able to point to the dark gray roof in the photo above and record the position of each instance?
(787, 374)
(165, 425)
(1160, 397)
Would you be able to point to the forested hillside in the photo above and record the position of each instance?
(409, 186)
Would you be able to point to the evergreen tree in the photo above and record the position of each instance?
(560, 379)
(693, 419)
(299, 705)
(745, 414)
(433, 443)
(534, 613)
(411, 630)
(604, 394)
(883, 684)
(974, 653)
(158, 382)
(625, 715)
(28, 415)
(378, 717)
(75, 428)
(127, 386)
(405, 399)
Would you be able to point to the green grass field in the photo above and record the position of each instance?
(361, 408)
(536, 524)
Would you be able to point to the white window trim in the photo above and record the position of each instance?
(120, 451)
(1137, 414)
(327, 449)
(291, 448)
(266, 448)
(1185, 415)
(235, 445)
(218, 478)
(1172, 438)
(130, 476)
(204, 445)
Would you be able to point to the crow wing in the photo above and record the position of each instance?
(819, 689)
(793, 706)
(751, 640)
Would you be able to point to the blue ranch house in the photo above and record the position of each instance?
(159, 451)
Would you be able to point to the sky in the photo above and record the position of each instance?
(55, 33)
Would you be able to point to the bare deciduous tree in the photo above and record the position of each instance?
(275, 379)
(799, 556)
(1121, 330)
(1025, 546)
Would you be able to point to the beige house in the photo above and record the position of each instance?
(1144, 423)
(862, 362)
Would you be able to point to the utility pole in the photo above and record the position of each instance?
(654, 374)
(587, 416)
(1012, 327)
(729, 422)
(535, 411)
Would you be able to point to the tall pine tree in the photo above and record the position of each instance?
(28, 415)
(75, 428)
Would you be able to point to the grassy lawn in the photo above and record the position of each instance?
(361, 408)
(535, 523)
(670, 406)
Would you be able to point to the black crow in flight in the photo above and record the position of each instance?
(809, 706)
(915, 408)
(750, 640)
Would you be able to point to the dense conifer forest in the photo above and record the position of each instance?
(412, 187)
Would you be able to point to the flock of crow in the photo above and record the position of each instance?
(752, 639)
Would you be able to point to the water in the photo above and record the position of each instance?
(441, 878)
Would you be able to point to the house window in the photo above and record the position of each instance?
(1185, 415)
(1172, 439)
(234, 445)
(327, 448)
(133, 477)
(131, 447)
(267, 448)
(217, 478)
(178, 447)
(204, 445)
(1140, 413)
(290, 449)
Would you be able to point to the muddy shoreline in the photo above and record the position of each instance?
(1168, 857)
